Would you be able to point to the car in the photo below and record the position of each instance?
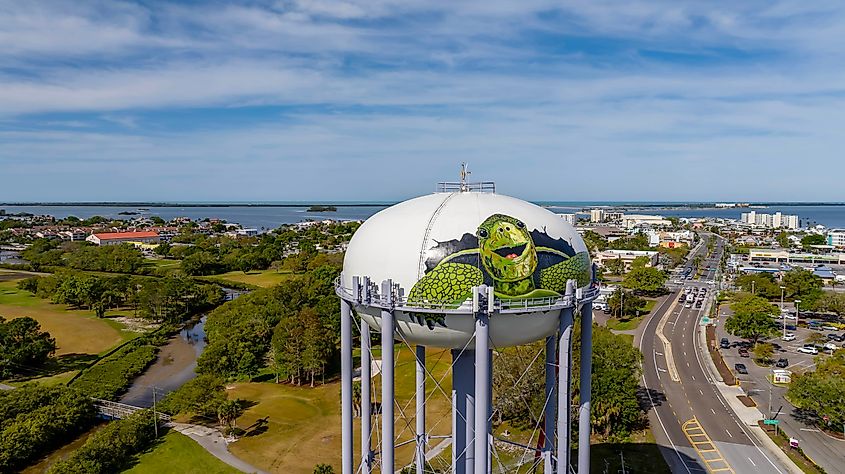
(790, 316)
(741, 369)
(832, 337)
(829, 346)
(788, 337)
(688, 305)
(744, 353)
(829, 328)
(724, 343)
(839, 337)
(782, 363)
(808, 350)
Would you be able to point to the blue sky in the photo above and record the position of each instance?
(379, 99)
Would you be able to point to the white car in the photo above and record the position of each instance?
(790, 316)
(808, 350)
(788, 337)
(829, 346)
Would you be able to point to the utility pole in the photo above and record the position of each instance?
(782, 315)
(155, 415)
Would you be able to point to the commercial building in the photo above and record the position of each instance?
(596, 215)
(115, 238)
(627, 256)
(784, 256)
(671, 240)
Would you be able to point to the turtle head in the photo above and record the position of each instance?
(506, 248)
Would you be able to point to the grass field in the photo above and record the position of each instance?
(178, 453)
(628, 324)
(262, 278)
(303, 423)
(76, 331)
(165, 265)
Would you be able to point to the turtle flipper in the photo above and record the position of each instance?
(448, 284)
(576, 267)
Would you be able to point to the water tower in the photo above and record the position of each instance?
(472, 271)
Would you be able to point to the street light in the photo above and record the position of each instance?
(782, 314)
(797, 316)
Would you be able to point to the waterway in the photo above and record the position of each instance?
(269, 216)
(173, 368)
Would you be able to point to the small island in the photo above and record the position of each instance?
(322, 209)
(127, 213)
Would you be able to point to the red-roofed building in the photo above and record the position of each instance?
(114, 238)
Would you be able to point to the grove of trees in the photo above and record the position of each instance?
(822, 391)
(23, 346)
(752, 318)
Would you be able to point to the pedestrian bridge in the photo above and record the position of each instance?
(115, 410)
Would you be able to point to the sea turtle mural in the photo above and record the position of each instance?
(503, 253)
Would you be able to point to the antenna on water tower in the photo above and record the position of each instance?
(464, 174)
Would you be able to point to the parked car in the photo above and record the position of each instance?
(790, 316)
(829, 328)
(724, 343)
(829, 346)
(808, 349)
(788, 337)
(741, 369)
(782, 363)
(744, 353)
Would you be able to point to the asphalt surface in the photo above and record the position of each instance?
(690, 419)
(824, 450)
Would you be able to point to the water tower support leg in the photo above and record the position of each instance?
(346, 386)
(387, 398)
(586, 388)
(366, 397)
(551, 404)
(482, 393)
(420, 418)
(564, 394)
(463, 406)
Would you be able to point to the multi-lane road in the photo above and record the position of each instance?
(691, 418)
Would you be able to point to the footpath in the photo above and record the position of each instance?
(215, 443)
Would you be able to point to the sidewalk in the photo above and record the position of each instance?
(214, 442)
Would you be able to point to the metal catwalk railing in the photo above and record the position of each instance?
(118, 410)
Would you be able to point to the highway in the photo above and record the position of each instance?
(689, 415)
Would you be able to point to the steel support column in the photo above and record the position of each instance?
(551, 404)
(387, 396)
(420, 417)
(366, 400)
(584, 430)
(346, 387)
(564, 393)
(463, 411)
(482, 392)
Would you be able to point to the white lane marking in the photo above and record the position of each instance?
(656, 411)
(812, 430)
(713, 411)
(693, 377)
(699, 391)
(729, 433)
(658, 353)
(752, 462)
(661, 370)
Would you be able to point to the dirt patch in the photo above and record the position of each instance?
(746, 400)
(9, 276)
(135, 324)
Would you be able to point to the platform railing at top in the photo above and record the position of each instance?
(400, 301)
(459, 187)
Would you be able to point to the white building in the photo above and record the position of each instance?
(630, 221)
(115, 238)
(770, 221)
(836, 238)
(627, 256)
(570, 218)
(596, 215)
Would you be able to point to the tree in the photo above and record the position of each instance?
(761, 284)
(640, 262)
(804, 285)
(831, 302)
(822, 392)
(812, 239)
(763, 353)
(615, 267)
(23, 346)
(323, 469)
(752, 318)
(624, 303)
(227, 413)
(646, 280)
(595, 242)
(783, 240)
(816, 339)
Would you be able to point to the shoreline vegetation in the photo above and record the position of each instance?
(609, 204)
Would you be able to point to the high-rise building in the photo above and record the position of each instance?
(596, 215)
(770, 221)
(569, 218)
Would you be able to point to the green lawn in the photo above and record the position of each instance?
(302, 427)
(633, 322)
(165, 265)
(179, 453)
(262, 278)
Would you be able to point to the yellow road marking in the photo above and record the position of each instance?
(691, 429)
